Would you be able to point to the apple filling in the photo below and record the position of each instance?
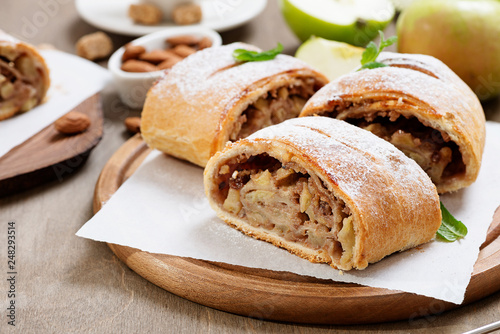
(276, 106)
(20, 84)
(432, 149)
(287, 202)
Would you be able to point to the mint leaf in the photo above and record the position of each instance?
(388, 42)
(247, 55)
(446, 234)
(370, 53)
(451, 229)
(369, 57)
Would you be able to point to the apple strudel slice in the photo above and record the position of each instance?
(24, 76)
(418, 104)
(209, 99)
(324, 190)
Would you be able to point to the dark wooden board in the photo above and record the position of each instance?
(49, 155)
(270, 295)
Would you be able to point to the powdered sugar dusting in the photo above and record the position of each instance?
(213, 71)
(439, 69)
(441, 99)
(356, 160)
(429, 64)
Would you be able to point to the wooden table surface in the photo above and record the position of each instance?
(67, 284)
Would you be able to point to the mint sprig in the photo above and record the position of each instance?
(372, 51)
(247, 55)
(451, 229)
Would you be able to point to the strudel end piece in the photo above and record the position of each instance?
(24, 76)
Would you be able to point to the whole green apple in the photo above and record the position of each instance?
(356, 22)
(464, 34)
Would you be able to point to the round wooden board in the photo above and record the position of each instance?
(49, 155)
(265, 294)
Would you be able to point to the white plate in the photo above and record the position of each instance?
(220, 15)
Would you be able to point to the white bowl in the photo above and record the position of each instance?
(133, 87)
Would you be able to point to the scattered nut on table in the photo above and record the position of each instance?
(145, 14)
(72, 123)
(94, 46)
(133, 124)
(187, 14)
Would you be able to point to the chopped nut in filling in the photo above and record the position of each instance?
(432, 149)
(20, 83)
(288, 203)
(274, 107)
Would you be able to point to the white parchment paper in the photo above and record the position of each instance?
(162, 209)
(73, 79)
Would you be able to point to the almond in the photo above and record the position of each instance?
(132, 52)
(133, 124)
(168, 63)
(133, 65)
(183, 39)
(72, 123)
(183, 50)
(204, 43)
(156, 56)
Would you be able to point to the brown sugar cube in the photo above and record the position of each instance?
(133, 65)
(133, 124)
(156, 56)
(183, 39)
(145, 14)
(132, 52)
(168, 63)
(94, 46)
(204, 43)
(183, 50)
(187, 14)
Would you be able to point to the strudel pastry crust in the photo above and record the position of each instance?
(209, 99)
(324, 190)
(418, 104)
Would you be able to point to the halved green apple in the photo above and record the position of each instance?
(356, 22)
(331, 58)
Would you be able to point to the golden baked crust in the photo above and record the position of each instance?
(192, 111)
(391, 202)
(413, 86)
(24, 70)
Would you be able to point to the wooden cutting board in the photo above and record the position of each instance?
(49, 155)
(265, 294)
